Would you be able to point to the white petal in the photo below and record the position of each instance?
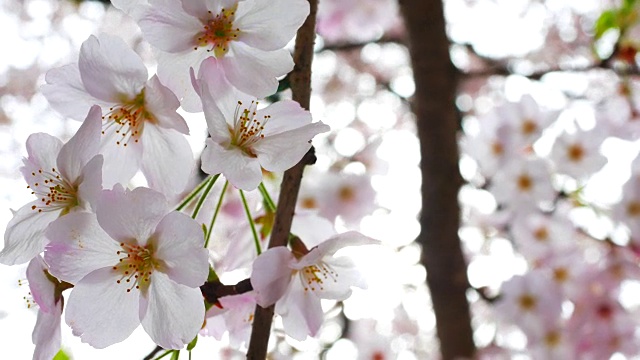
(173, 314)
(282, 151)
(82, 147)
(242, 171)
(66, 93)
(218, 91)
(270, 25)
(79, 246)
(110, 69)
(91, 182)
(24, 237)
(162, 103)
(301, 312)
(271, 275)
(43, 150)
(173, 71)
(120, 162)
(128, 215)
(168, 27)
(285, 115)
(254, 71)
(46, 334)
(180, 246)
(101, 311)
(167, 159)
(41, 288)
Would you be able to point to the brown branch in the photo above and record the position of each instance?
(347, 46)
(214, 290)
(437, 123)
(300, 79)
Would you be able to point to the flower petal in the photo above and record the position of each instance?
(173, 71)
(100, 311)
(349, 238)
(301, 311)
(46, 334)
(82, 147)
(43, 150)
(180, 246)
(110, 70)
(271, 275)
(24, 237)
(254, 71)
(282, 151)
(285, 115)
(41, 288)
(162, 103)
(167, 159)
(91, 185)
(242, 171)
(79, 246)
(120, 162)
(168, 27)
(172, 314)
(270, 25)
(128, 215)
(66, 93)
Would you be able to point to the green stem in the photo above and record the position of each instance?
(193, 194)
(267, 198)
(204, 196)
(253, 226)
(165, 354)
(215, 214)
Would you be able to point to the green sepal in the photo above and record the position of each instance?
(192, 344)
(61, 355)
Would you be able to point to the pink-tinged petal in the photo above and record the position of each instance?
(167, 159)
(342, 276)
(199, 8)
(168, 27)
(285, 115)
(242, 171)
(281, 151)
(173, 71)
(110, 70)
(128, 215)
(41, 288)
(179, 244)
(301, 312)
(46, 334)
(24, 237)
(349, 238)
(270, 25)
(79, 246)
(82, 147)
(172, 314)
(218, 91)
(162, 103)
(100, 311)
(66, 93)
(133, 8)
(43, 150)
(120, 162)
(216, 121)
(271, 275)
(254, 71)
(91, 182)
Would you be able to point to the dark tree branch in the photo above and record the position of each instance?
(153, 353)
(300, 81)
(214, 290)
(437, 123)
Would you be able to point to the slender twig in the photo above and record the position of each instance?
(215, 214)
(193, 194)
(267, 198)
(153, 353)
(301, 92)
(252, 224)
(204, 196)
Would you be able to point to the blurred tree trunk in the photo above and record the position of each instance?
(437, 122)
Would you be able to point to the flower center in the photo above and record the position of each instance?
(128, 120)
(54, 191)
(527, 302)
(524, 182)
(218, 32)
(575, 153)
(314, 276)
(247, 129)
(136, 266)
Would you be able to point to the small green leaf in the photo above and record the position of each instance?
(192, 344)
(607, 20)
(61, 355)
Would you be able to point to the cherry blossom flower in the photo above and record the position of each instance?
(141, 124)
(246, 37)
(578, 154)
(64, 178)
(47, 295)
(235, 316)
(244, 138)
(296, 282)
(132, 262)
(523, 184)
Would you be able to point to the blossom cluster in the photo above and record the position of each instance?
(132, 256)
